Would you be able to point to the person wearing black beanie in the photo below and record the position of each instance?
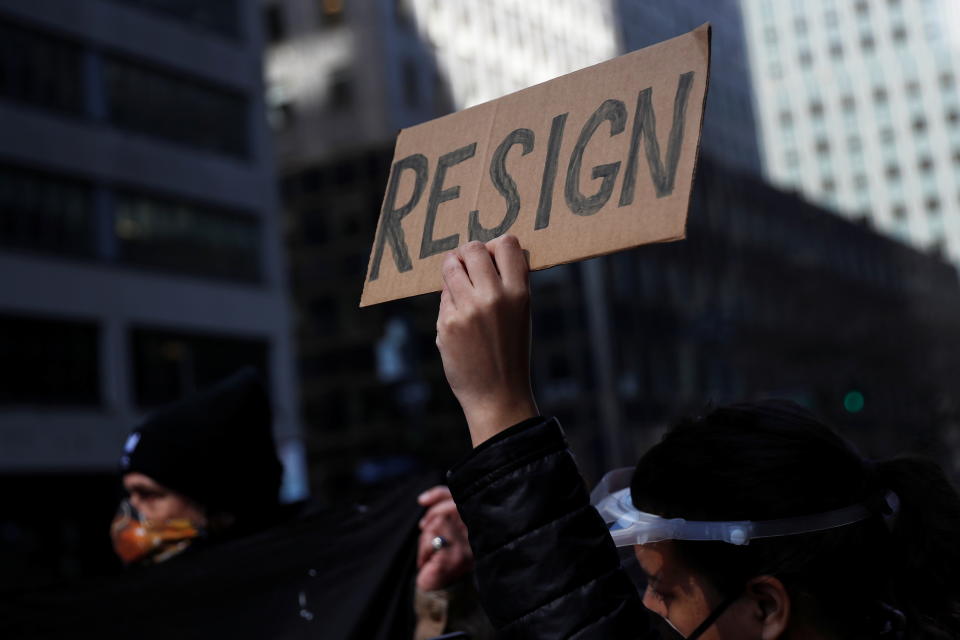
(205, 466)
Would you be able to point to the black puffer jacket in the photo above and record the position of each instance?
(546, 566)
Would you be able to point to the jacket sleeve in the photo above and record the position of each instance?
(545, 564)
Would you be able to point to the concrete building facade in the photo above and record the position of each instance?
(346, 75)
(140, 244)
(859, 109)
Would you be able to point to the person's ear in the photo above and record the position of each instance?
(769, 605)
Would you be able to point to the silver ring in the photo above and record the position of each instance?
(439, 542)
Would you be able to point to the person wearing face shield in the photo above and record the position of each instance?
(755, 520)
(198, 471)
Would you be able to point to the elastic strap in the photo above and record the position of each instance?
(714, 615)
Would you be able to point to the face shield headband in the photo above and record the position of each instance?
(630, 526)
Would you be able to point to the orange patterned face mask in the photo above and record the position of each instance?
(136, 539)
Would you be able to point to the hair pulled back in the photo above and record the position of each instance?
(774, 459)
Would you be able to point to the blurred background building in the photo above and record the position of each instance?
(342, 79)
(770, 295)
(729, 127)
(859, 109)
(139, 245)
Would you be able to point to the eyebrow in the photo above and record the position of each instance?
(143, 487)
(652, 580)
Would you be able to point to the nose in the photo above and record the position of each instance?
(135, 501)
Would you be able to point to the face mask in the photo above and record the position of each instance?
(136, 539)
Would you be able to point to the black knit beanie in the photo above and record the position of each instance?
(215, 447)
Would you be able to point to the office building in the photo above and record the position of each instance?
(346, 75)
(140, 245)
(729, 124)
(712, 318)
(859, 109)
(769, 296)
(342, 79)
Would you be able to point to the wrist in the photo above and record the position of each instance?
(487, 419)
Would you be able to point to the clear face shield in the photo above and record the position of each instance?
(629, 526)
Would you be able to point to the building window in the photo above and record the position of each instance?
(913, 88)
(899, 212)
(933, 204)
(862, 7)
(341, 90)
(893, 172)
(168, 365)
(273, 23)
(329, 410)
(816, 109)
(331, 13)
(175, 236)
(836, 50)
(925, 164)
(805, 58)
(786, 118)
(823, 146)
(848, 103)
(828, 185)
(313, 227)
(866, 43)
(919, 124)
(860, 182)
(220, 17)
(44, 212)
(280, 107)
(953, 117)
(880, 95)
(174, 108)
(887, 135)
(39, 70)
(854, 144)
(411, 86)
(938, 246)
(49, 362)
(899, 34)
(800, 25)
(946, 80)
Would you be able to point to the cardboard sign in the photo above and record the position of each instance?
(590, 163)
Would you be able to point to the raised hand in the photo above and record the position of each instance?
(483, 334)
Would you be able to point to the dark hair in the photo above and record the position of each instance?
(774, 459)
